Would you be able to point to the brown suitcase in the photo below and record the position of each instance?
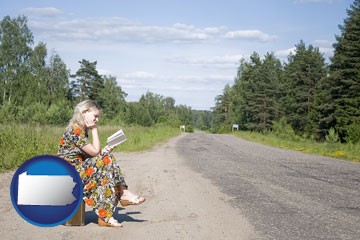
(79, 218)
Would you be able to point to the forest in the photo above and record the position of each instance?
(307, 95)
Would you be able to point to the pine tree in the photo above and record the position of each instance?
(342, 106)
(303, 73)
(255, 95)
(268, 91)
(244, 102)
(88, 83)
(221, 108)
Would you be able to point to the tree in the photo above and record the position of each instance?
(112, 98)
(184, 114)
(38, 77)
(170, 118)
(15, 51)
(32, 89)
(153, 103)
(202, 119)
(248, 98)
(57, 84)
(88, 83)
(341, 107)
(255, 95)
(33, 78)
(267, 93)
(169, 104)
(221, 109)
(136, 113)
(303, 73)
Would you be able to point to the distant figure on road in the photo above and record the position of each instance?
(182, 128)
(103, 182)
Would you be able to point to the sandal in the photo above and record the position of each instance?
(112, 223)
(136, 200)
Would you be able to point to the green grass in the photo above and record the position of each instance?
(337, 150)
(21, 142)
(139, 138)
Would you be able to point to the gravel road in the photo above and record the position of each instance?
(202, 186)
(180, 204)
(284, 194)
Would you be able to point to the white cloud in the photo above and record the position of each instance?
(195, 75)
(224, 61)
(285, 52)
(250, 35)
(42, 12)
(327, 51)
(192, 90)
(322, 42)
(214, 30)
(195, 90)
(119, 29)
(139, 75)
(325, 47)
(104, 71)
(142, 79)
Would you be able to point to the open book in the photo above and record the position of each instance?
(116, 139)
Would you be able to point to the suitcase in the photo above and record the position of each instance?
(79, 218)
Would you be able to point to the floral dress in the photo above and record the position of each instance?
(101, 176)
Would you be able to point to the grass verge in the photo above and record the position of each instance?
(139, 138)
(337, 150)
(21, 142)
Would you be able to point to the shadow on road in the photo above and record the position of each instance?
(91, 217)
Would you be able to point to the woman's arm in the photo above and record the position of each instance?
(93, 149)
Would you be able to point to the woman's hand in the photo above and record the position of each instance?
(90, 120)
(107, 149)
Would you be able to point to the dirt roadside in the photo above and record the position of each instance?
(180, 204)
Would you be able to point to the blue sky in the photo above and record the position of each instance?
(185, 49)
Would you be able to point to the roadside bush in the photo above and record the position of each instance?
(189, 129)
(225, 128)
(332, 137)
(58, 114)
(353, 133)
(283, 129)
(7, 113)
(33, 113)
(19, 142)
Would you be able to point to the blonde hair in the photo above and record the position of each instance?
(77, 119)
